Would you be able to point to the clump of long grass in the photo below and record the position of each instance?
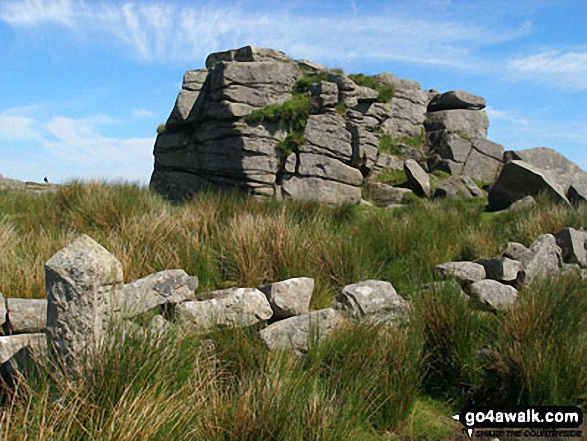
(539, 356)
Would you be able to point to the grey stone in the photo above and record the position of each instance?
(542, 260)
(572, 244)
(326, 134)
(493, 295)
(372, 298)
(489, 148)
(481, 167)
(387, 162)
(456, 99)
(297, 333)
(514, 251)
(320, 166)
(562, 171)
(323, 95)
(316, 189)
(246, 54)
(452, 147)
(183, 107)
(503, 270)
(519, 179)
(418, 179)
(383, 195)
(458, 187)
(462, 272)
(289, 297)
(473, 124)
(522, 204)
(26, 316)
(162, 288)
(244, 307)
(80, 280)
(12, 344)
(2, 309)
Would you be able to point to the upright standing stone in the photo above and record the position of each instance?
(80, 281)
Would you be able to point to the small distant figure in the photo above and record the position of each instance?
(46, 180)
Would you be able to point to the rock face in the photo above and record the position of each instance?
(462, 272)
(80, 281)
(258, 121)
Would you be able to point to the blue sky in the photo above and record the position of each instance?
(84, 84)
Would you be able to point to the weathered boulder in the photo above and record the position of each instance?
(372, 298)
(246, 54)
(522, 204)
(80, 281)
(514, 251)
(572, 243)
(418, 179)
(543, 259)
(456, 99)
(382, 194)
(238, 308)
(323, 95)
(468, 123)
(567, 175)
(289, 297)
(321, 190)
(458, 187)
(493, 295)
(26, 316)
(462, 272)
(503, 270)
(162, 288)
(298, 332)
(519, 179)
(484, 161)
(326, 134)
(407, 109)
(324, 167)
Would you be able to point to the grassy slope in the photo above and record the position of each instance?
(365, 383)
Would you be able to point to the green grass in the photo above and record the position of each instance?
(365, 383)
(386, 92)
(391, 177)
(392, 146)
(292, 113)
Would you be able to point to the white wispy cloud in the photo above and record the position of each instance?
(70, 147)
(160, 32)
(566, 69)
(507, 116)
(143, 113)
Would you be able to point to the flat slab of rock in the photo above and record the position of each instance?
(321, 190)
(493, 295)
(519, 179)
(372, 298)
(462, 272)
(297, 333)
(572, 243)
(418, 179)
(456, 99)
(26, 316)
(239, 308)
(164, 287)
(289, 297)
(80, 280)
(542, 260)
(473, 124)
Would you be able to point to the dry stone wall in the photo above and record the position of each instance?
(86, 299)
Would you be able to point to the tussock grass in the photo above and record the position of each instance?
(366, 382)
